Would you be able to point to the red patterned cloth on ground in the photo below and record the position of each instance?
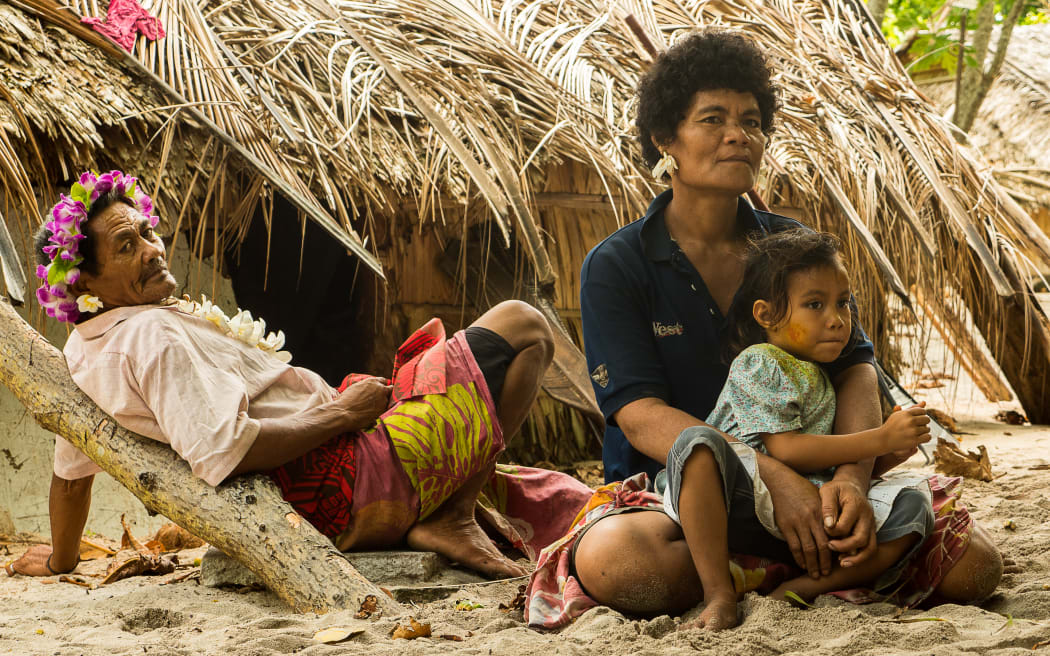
(554, 596)
(125, 20)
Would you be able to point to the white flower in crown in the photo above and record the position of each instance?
(240, 326)
(88, 303)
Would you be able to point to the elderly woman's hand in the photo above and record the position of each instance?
(364, 401)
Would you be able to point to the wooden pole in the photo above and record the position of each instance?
(245, 518)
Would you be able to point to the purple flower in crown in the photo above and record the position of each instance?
(67, 312)
(41, 272)
(122, 183)
(143, 202)
(103, 184)
(66, 218)
(87, 181)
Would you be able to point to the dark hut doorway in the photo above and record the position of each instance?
(311, 288)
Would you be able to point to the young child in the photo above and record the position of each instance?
(792, 313)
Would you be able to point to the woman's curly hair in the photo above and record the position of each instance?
(713, 58)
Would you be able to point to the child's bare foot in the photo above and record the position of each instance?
(718, 615)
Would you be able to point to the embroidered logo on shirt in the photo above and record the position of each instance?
(664, 330)
(600, 375)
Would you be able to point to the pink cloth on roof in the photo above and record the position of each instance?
(125, 20)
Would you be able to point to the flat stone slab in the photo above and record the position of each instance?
(385, 568)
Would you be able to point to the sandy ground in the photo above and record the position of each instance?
(141, 616)
(146, 615)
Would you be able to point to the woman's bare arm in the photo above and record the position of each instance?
(68, 505)
(284, 439)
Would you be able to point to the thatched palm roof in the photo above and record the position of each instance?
(429, 115)
(1012, 129)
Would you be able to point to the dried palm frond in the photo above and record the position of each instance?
(396, 117)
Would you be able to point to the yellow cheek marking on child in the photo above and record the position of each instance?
(796, 335)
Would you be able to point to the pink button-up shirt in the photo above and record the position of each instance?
(179, 379)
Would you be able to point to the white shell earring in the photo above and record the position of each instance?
(667, 164)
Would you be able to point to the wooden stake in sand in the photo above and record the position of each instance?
(246, 518)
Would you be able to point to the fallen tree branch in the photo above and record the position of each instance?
(245, 518)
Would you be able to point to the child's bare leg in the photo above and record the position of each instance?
(646, 564)
(638, 563)
(842, 578)
(702, 510)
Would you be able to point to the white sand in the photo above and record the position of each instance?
(139, 616)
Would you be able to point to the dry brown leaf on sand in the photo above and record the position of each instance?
(336, 634)
(949, 459)
(368, 607)
(77, 580)
(94, 548)
(175, 538)
(1011, 417)
(412, 631)
(517, 603)
(129, 541)
(944, 419)
(136, 564)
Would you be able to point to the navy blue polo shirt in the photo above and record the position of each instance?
(652, 329)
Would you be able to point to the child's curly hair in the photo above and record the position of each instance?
(768, 265)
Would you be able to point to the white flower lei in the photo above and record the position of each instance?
(240, 326)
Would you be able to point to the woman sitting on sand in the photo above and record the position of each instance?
(654, 297)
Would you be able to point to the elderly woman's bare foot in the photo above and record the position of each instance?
(464, 542)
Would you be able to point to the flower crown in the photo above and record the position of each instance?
(63, 248)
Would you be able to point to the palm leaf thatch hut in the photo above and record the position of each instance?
(469, 151)
(1012, 130)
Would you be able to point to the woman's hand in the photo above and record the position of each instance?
(797, 512)
(849, 520)
(32, 562)
(363, 402)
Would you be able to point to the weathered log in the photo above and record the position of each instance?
(245, 518)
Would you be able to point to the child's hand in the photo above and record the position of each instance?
(906, 429)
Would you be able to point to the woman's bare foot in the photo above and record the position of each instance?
(464, 542)
(718, 615)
